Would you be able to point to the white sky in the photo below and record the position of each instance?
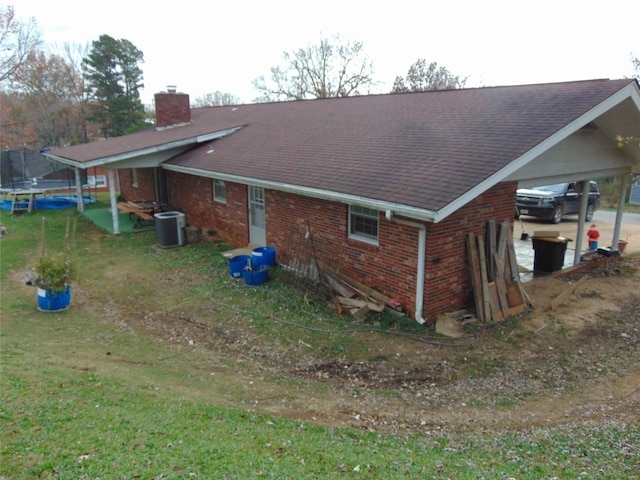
(203, 46)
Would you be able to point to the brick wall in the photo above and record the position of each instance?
(310, 231)
(448, 281)
(194, 196)
(145, 189)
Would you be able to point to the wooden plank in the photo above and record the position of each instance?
(515, 272)
(359, 313)
(526, 296)
(363, 289)
(349, 302)
(514, 296)
(502, 287)
(491, 247)
(517, 310)
(476, 282)
(496, 311)
(483, 278)
(513, 261)
(560, 299)
(505, 235)
(338, 306)
(128, 208)
(338, 286)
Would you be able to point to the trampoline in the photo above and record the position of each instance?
(49, 202)
(29, 177)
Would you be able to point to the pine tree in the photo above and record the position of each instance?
(113, 82)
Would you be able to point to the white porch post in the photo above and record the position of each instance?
(79, 195)
(620, 211)
(114, 202)
(583, 187)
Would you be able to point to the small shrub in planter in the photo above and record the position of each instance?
(55, 272)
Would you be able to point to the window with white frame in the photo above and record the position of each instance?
(219, 191)
(363, 224)
(134, 177)
(97, 181)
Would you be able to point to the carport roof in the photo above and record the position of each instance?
(427, 152)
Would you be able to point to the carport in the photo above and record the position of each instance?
(603, 142)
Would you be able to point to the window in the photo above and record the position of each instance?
(134, 177)
(363, 224)
(97, 180)
(219, 191)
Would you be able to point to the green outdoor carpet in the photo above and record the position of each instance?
(101, 217)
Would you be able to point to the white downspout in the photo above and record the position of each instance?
(422, 245)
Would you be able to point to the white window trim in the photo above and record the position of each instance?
(362, 237)
(134, 177)
(219, 198)
(92, 180)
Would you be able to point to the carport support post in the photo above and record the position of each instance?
(621, 202)
(114, 202)
(584, 201)
(79, 194)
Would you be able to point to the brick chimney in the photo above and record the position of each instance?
(172, 108)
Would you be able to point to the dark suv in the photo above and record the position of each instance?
(552, 202)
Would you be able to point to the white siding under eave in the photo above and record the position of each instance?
(584, 155)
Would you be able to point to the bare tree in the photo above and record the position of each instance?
(330, 69)
(422, 77)
(216, 99)
(18, 40)
(47, 88)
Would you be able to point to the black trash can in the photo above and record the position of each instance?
(549, 253)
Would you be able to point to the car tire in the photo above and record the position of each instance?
(557, 215)
(590, 211)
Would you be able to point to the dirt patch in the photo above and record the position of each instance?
(579, 361)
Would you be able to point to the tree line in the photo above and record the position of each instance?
(74, 96)
(84, 93)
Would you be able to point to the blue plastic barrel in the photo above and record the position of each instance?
(237, 264)
(264, 256)
(256, 275)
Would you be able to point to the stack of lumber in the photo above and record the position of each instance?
(355, 297)
(495, 277)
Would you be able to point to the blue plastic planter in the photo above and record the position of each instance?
(237, 264)
(255, 276)
(49, 301)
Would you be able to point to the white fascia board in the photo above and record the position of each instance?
(396, 208)
(132, 155)
(630, 91)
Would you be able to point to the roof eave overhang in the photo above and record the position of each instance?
(114, 160)
(629, 91)
(398, 209)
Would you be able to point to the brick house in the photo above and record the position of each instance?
(385, 188)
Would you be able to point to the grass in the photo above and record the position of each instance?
(85, 396)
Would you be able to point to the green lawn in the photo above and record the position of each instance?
(85, 397)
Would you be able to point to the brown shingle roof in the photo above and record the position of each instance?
(423, 149)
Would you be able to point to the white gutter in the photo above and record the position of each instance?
(404, 210)
(144, 151)
(422, 247)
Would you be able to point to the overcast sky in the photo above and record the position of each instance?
(204, 46)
